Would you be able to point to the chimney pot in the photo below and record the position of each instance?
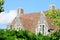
(52, 6)
(20, 11)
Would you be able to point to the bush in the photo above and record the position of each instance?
(27, 35)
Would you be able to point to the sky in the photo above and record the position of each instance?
(11, 6)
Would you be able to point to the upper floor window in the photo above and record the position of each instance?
(41, 28)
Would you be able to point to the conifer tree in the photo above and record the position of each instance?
(1, 6)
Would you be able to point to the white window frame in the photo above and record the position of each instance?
(40, 28)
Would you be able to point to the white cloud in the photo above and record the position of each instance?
(7, 17)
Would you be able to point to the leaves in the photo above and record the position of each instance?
(1, 2)
(1, 9)
(55, 16)
(17, 35)
(27, 35)
(1, 5)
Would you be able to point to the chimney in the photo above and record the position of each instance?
(52, 7)
(20, 11)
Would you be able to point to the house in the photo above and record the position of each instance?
(35, 22)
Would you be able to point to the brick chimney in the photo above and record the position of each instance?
(52, 7)
(20, 11)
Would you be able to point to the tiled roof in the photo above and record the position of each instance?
(30, 21)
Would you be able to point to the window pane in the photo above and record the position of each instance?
(43, 29)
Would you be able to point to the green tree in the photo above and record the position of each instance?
(2, 34)
(27, 35)
(1, 6)
(55, 16)
(55, 35)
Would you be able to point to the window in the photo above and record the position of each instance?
(40, 28)
(43, 29)
(10, 26)
(40, 25)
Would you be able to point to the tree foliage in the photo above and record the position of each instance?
(1, 5)
(55, 16)
(27, 35)
(55, 35)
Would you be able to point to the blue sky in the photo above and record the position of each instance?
(28, 5)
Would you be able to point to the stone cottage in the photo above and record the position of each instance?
(35, 22)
